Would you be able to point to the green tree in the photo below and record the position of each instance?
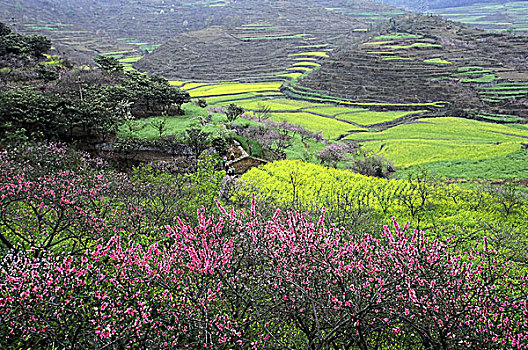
(154, 93)
(4, 29)
(37, 45)
(27, 109)
(23, 46)
(198, 140)
(233, 112)
(62, 116)
(109, 64)
(220, 145)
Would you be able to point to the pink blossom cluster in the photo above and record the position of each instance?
(42, 210)
(336, 152)
(242, 281)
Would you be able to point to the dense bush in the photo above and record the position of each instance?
(371, 164)
(29, 46)
(337, 152)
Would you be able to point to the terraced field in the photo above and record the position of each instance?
(333, 120)
(449, 146)
(233, 89)
(331, 66)
(504, 16)
(424, 60)
(218, 54)
(85, 28)
(265, 39)
(259, 45)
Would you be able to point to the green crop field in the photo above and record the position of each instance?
(132, 59)
(192, 86)
(312, 187)
(332, 111)
(141, 45)
(383, 42)
(506, 86)
(503, 91)
(315, 54)
(437, 61)
(392, 36)
(175, 124)
(298, 104)
(491, 16)
(484, 79)
(273, 104)
(309, 115)
(330, 128)
(231, 88)
(366, 117)
(443, 139)
(518, 93)
(397, 58)
(307, 63)
(507, 166)
(504, 118)
(300, 68)
(118, 54)
(290, 75)
(472, 70)
(411, 46)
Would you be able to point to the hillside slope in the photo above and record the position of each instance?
(261, 40)
(85, 28)
(426, 59)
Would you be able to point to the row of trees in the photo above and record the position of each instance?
(86, 104)
(65, 103)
